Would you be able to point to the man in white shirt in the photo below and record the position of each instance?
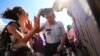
(54, 32)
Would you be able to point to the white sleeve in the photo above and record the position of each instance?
(62, 27)
(43, 25)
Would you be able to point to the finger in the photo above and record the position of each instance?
(34, 19)
(37, 21)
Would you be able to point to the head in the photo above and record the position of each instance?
(23, 51)
(48, 13)
(69, 27)
(15, 14)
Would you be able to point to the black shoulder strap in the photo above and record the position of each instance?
(16, 25)
(5, 28)
(14, 22)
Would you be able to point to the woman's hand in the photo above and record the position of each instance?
(28, 25)
(36, 24)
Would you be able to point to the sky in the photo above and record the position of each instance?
(32, 7)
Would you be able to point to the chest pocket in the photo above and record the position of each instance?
(54, 31)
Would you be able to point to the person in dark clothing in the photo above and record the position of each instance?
(23, 51)
(37, 45)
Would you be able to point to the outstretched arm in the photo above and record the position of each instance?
(20, 36)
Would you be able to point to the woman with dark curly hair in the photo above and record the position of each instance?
(20, 29)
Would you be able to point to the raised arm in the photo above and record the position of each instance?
(19, 35)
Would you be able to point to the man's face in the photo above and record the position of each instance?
(50, 19)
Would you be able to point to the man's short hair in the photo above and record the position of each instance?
(46, 12)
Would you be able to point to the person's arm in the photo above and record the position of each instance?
(29, 25)
(40, 28)
(62, 38)
(63, 35)
(31, 42)
(62, 42)
(20, 36)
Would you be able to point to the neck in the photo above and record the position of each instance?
(19, 22)
(52, 23)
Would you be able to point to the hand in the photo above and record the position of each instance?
(29, 24)
(76, 42)
(60, 47)
(36, 24)
(40, 13)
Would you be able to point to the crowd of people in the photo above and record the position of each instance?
(22, 31)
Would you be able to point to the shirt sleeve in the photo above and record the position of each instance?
(43, 26)
(62, 27)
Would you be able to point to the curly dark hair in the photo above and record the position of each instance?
(23, 51)
(12, 13)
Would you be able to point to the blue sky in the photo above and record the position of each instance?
(32, 7)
